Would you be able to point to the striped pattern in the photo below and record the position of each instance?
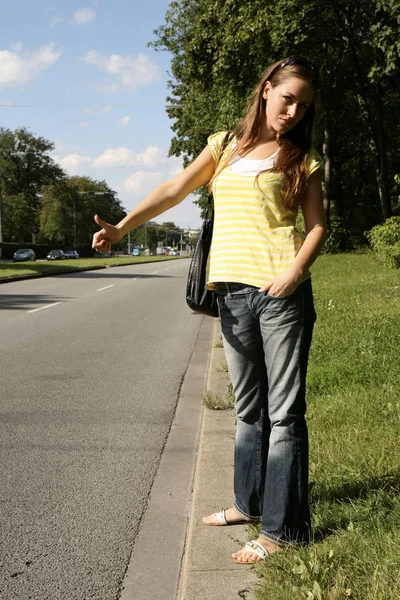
(254, 236)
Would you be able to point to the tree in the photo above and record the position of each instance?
(171, 232)
(17, 218)
(68, 207)
(56, 223)
(25, 167)
(220, 48)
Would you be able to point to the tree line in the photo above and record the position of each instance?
(220, 48)
(41, 204)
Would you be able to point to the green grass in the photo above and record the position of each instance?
(26, 269)
(354, 424)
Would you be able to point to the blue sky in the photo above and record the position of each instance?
(96, 90)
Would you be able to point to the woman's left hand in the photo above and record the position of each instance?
(284, 284)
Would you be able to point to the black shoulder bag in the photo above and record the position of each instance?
(198, 298)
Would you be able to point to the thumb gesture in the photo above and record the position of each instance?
(100, 222)
(107, 235)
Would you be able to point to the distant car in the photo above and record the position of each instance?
(136, 252)
(26, 254)
(56, 255)
(71, 254)
(173, 253)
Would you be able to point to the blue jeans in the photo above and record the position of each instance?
(266, 342)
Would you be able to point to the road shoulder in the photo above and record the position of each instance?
(155, 566)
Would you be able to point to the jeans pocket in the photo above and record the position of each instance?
(282, 297)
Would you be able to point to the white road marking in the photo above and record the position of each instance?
(43, 307)
(34, 310)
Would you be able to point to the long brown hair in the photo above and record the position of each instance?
(295, 144)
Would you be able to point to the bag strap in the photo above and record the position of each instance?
(227, 138)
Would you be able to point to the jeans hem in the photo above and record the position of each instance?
(279, 542)
(245, 514)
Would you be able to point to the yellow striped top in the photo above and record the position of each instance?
(254, 236)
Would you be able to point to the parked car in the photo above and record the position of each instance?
(173, 252)
(56, 255)
(71, 254)
(136, 252)
(26, 254)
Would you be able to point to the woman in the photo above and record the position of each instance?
(259, 267)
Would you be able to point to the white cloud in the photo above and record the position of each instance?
(125, 120)
(123, 157)
(152, 156)
(142, 182)
(115, 157)
(130, 72)
(83, 16)
(17, 68)
(55, 21)
(74, 164)
(83, 124)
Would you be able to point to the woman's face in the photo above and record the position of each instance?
(287, 103)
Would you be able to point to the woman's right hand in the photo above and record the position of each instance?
(108, 234)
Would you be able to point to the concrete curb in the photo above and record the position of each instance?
(208, 571)
(155, 565)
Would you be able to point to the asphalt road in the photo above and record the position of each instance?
(91, 366)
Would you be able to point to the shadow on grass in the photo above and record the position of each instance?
(338, 517)
(355, 490)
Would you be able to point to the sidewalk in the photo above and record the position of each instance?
(176, 556)
(208, 571)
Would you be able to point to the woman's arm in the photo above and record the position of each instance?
(165, 196)
(314, 218)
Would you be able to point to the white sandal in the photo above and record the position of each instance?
(256, 548)
(220, 516)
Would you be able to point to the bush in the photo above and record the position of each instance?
(385, 241)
